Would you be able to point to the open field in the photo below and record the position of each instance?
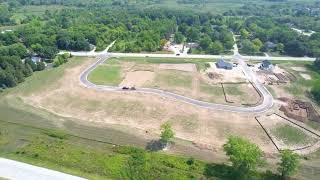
(188, 77)
(26, 11)
(127, 119)
(291, 135)
(219, 6)
(134, 114)
(287, 135)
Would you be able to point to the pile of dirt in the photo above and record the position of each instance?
(213, 75)
(277, 78)
(299, 110)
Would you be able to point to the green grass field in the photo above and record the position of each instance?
(200, 63)
(291, 135)
(25, 11)
(43, 80)
(106, 75)
(210, 89)
(233, 89)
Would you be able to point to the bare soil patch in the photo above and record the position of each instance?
(242, 94)
(276, 77)
(223, 75)
(305, 76)
(180, 67)
(140, 113)
(299, 69)
(137, 78)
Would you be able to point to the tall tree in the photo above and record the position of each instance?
(215, 48)
(245, 157)
(317, 63)
(289, 164)
(178, 38)
(166, 133)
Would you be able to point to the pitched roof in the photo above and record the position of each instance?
(266, 63)
(222, 63)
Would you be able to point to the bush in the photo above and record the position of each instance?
(56, 63)
(56, 134)
(40, 66)
(61, 59)
(126, 149)
(317, 63)
(315, 92)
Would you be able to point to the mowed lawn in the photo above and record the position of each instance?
(106, 75)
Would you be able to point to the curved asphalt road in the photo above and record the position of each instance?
(267, 101)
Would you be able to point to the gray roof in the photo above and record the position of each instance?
(266, 63)
(222, 63)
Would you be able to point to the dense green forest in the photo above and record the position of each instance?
(146, 26)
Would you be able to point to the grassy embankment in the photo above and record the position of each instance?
(90, 159)
(30, 135)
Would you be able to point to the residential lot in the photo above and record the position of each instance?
(193, 80)
(135, 113)
(134, 118)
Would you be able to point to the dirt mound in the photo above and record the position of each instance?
(299, 110)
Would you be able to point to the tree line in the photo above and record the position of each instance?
(267, 35)
(138, 29)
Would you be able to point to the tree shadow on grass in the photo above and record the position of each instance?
(154, 145)
(219, 171)
(225, 172)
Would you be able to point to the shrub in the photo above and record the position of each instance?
(315, 91)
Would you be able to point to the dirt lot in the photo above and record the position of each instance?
(180, 67)
(184, 79)
(137, 78)
(299, 69)
(226, 76)
(305, 76)
(242, 94)
(267, 77)
(142, 114)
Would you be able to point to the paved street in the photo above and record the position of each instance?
(259, 58)
(265, 105)
(14, 170)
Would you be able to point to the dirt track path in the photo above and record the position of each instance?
(195, 84)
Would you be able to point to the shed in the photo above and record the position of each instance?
(224, 65)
